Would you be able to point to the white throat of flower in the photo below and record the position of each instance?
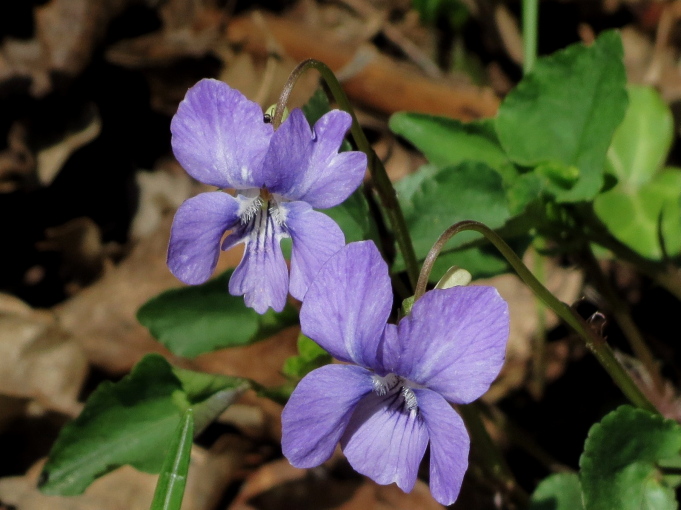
(259, 205)
(392, 384)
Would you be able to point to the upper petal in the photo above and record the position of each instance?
(348, 303)
(316, 237)
(262, 275)
(318, 412)
(384, 441)
(305, 165)
(454, 341)
(195, 236)
(449, 446)
(219, 136)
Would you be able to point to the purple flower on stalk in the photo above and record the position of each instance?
(391, 402)
(221, 139)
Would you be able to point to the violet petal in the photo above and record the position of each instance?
(303, 165)
(385, 441)
(219, 136)
(316, 237)
(449, 445)
(318, 411)
(454, 341)
(348, 303)
(262, 275)
(195, 235)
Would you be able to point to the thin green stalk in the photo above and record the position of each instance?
(621, 312)
(530, 25)
(379, 176)
(494, 462)
(595, 343)
(173, 476)
(539, 340)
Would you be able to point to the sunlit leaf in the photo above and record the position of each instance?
(561, 491)
(566, 111)
(202, 318)
(620, 466)
(132, 422)
(645, 203)
(173, 476)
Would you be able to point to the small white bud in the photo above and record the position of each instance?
(454, 277)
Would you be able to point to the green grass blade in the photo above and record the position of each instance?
(173, 476)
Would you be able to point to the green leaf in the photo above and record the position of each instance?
(316, 107)
(432, 10)
(354, 218)
(194, 320)
(636, 217)
(173, 477)
(310, 356)
(642, 141)
(566, 111)
(447, 142)
(645, 201)
(132, 422)
(619, 466)
(561, 491)
(440, 197)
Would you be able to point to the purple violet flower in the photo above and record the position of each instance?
(392, 400)
(221, 139)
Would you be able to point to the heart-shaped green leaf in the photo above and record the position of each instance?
(645, 204)
(566, 111)
(620, 466)
(132, 422)
(203, 318)
(561, 491)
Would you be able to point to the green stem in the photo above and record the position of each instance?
(494, 462)
(539, 343)
(621, 312)
(530, 25)
(379, 176)
(595, 343)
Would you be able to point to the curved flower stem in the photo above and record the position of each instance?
(621, 312)
(594, 342)
(379, 176)
(537, 377)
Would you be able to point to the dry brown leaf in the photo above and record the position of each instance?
(278, 483)
(190, 30)
(564, 283)
(210, 472)
(67, 33)
(160, 191)
(390, 497)
(667, 400)
(380, 81)
(51, 159)
(647, 65)
(263, 479)
(38, 360)
(68, 30)
(17, 163)
(102, 318)
(83, 255)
